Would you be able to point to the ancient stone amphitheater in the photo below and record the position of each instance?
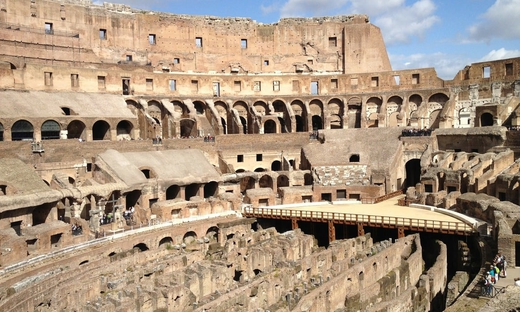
(138, 151)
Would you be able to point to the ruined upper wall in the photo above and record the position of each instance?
(118, 33)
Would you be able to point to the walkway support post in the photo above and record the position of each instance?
(400, 232)
(332, 231)
(360, 229)
(294, 223)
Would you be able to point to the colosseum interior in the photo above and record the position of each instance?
(139, 150)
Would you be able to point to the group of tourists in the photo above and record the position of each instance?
(209, 138)
(76, 229)
(313, 135)
(513, 128)
(416, 132)
(496, 271)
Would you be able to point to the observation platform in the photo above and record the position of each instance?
(386, 214)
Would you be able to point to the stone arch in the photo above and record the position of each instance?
(486, 119)
(280, 108)
(276, 165)
(158, 119)
(50, 130)
(266, 181)
(148, 173)
(260, 169)
(188, 128)
(212, 233)
(173, 192)
(300, 114)
(22, 130)
(222, 111)
(435, 104)
(282, 181)
(124, 130)
(246, 183)
(191, 191)
(354, 112)
(166, 241)
(373, 109)
(76, 129)
(316, 111)
(101, 130)
(393, 110)
(137, 110)
(189, 237)
(354, 158)
(243, 115)
(335, 109)
(414, 102)
(270, 126)
(140, 247)
(210, 189)
(261, 108)
(200, 107)
(180, 109)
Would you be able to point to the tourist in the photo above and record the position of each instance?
(517, 281)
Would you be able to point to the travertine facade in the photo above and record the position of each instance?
(106, 110)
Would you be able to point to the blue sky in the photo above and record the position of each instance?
(444, 34)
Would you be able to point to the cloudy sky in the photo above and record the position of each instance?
(444, 34)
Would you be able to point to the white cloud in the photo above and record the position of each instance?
(500, 21)
(375, 7)
(402, 23)
(446, 66)
(500, 54)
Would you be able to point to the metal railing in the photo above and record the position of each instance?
(351, 218)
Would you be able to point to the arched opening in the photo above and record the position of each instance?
(282, 181)
(276, 165)
(191, 190)
(486, 120)
(140, 247)
(189, 238)
(167, 241)
(354, 112)
(124, 130)
(300, 114)
(259, 170)
(317, 123)
(354, 158)
(265, 182)
(1, 132)
(270, 126)
(132, 198)
(413, 172)
(210, 189)
(212, 234)
(174, 191)
(101, 131)
(307, 178)
(76, 130)
(51, 130)
(22, 130)
(246, 183)
(187, 128)
(199, 107)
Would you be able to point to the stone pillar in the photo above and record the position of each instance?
(332, 231)
(360, 229)
(294, 223)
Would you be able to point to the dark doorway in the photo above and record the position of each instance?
(486, 120)
(413, 172)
